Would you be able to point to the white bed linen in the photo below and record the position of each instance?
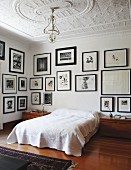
(63, 129)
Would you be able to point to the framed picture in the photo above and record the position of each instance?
(22, 102)
(49, 83)
(90, 61)
(66, 56)
(84, 83)
(2, 50)
(22, 83)
(115, 58)
(16, 61)
(9, 83)
(47, 98)
(42, 64)
(8, 104)
(36, 83)
(115, 82)
(106, 104)
(35, 98)
(124, 104)
(64, 80)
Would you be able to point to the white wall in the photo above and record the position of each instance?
(81, 100)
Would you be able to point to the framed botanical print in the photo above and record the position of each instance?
(22, 83)
(9, 83)
(16, 61)
(64, 80)
(36, 83)
(90, 61)
(2, 50)
(47, 98)
(35, 98)
(8, 104)
(84, 83)
(49, 83)
(66, 56)
(124, 104)
(42, 64)
(22, 102)
(106, 104)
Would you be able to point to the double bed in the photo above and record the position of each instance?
(66, 130)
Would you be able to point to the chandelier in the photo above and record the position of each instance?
(51, 28)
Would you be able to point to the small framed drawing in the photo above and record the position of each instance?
(35, 98)
(16, 61)
(22, 83)
(42, 64)
(90, 61)
(47, 98)
(106, 104)
(9, 83)
(49, 83)
(22, 103)
(124, 104)
(8, 104)
(36, 83)
(115, 58)
(84, 83)
(64, 80)
(66, 56)
(2, 50)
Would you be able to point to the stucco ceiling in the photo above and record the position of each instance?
(74, 18)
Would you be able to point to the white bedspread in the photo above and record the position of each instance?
(63, 130)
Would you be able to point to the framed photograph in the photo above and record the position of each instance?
(22, 83)
(16, 61)
(64, 80)
(35, 98)
(66, 56)
(42, 64)
(36, 83)
(8, 104)
(106, 104)
(22, 103)
(115, 82)
(47, 98)
(2, 50)
(49, 83)
(9, 83)
(124, 104)
(90, 61)
(115, 58)
(84, 83)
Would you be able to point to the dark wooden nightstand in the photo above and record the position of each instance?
(31, 115)
(115, 127)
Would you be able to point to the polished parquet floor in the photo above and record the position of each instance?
(101, 153)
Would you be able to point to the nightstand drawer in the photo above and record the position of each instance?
(31, 115)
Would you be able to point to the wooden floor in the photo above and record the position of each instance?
(101, 153)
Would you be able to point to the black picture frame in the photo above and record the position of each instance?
(86, 83)
(49, 83)
(124, 104)
(47, 98)
(2, 50)
(42, 64)
(35, 98)
(66, 56)
(16, 61)
(22, 83)
(22, 103)
(107, 104)
(9, 84)
(90, 61)
(116, 58)
(36, 83)
(8, 104)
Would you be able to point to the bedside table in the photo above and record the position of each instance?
(31, 115)
(115, 127)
